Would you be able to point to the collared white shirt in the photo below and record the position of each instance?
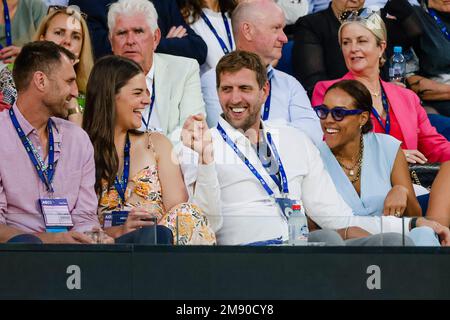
(154, 119)
(289, 102)
(248, 213)
(293, 9)
(245, 213)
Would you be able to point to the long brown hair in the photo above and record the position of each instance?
(108, 76)
(193, 8)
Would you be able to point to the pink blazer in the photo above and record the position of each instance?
(417, 131)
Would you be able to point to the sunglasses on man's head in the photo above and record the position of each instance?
(70, 10)
(338, 113)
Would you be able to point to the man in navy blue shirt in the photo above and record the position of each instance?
(177, 37)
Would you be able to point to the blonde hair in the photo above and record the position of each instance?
(86, 61)
(375, 24)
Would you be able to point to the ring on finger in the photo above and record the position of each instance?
(397, 214)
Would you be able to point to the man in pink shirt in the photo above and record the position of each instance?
(47, 170)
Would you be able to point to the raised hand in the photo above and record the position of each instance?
(197, 136)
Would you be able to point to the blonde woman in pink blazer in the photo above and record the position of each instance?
(396, 111)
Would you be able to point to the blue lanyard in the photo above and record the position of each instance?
(214, 31)
(267, 103)
(387, 127)
(147, 123)
(46, 175)
(7, 25)
(121, 186)
(440, 24)
(283, 185)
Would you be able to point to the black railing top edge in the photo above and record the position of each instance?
(117, 248)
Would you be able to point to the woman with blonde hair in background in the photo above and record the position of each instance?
(65, 26)
(396, 111)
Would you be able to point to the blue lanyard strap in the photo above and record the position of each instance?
(46, 175)
(387, 127)
(225, 49)
(7, 24)
(267, 103)
(152, 103)
(439, 22)
(284, 183)
(285, 188)
(121, 185)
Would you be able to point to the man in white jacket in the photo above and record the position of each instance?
(173, 81)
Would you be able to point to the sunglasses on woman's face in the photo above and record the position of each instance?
(70, 10)
(338, 113)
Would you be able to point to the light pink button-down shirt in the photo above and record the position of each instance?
(21, 188)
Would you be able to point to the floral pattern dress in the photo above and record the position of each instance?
(7, 86)
(186, 221)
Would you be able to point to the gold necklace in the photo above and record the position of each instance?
(351, 171)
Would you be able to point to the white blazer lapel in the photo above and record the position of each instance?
(162, 91)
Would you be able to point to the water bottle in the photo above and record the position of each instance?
(298, 226)
(397, 67)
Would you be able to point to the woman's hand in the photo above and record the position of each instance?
(415, 156)
(8, 54)
(442, 232)
(396, 201)
(137, 218)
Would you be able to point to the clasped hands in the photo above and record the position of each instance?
(197, 136)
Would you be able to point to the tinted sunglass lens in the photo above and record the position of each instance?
(338, 114)
(321, 112)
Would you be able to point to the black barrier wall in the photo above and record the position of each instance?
(204, 273)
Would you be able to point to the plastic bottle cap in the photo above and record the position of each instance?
(296, 207)
(397, 49)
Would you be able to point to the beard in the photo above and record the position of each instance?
(58, 107)
(242, 124)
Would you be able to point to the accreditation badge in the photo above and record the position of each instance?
(115, 218)
(56, 214)
(285, 205)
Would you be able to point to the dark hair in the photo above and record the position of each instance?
(107, 77)
(44, 56)
(237, 60)
(194, 8)
(362, 98)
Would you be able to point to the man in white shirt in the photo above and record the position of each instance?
(293, 9)
(173, 81)
(258, 27)
(243, 204)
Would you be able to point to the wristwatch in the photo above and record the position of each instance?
(412, 223)
(75, 110)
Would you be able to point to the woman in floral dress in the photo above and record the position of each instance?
(135, 171)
